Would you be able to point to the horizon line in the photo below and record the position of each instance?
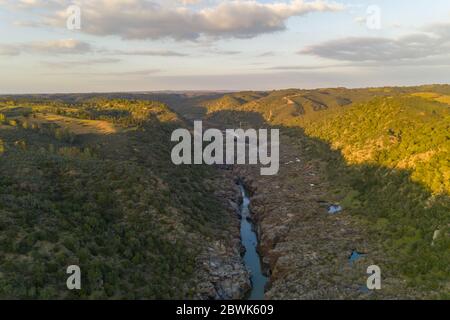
(169, 91)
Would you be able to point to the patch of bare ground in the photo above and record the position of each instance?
(76, 126)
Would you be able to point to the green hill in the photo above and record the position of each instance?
(92, 184)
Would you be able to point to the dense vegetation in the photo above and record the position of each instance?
(404, 133)
(92, 184)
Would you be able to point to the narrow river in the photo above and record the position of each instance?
(250, 242)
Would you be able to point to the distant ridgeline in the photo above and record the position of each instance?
(404, 128)
(91, 183)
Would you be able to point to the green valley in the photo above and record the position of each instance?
(87, 180)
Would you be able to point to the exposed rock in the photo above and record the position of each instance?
(222, 273)
(235, 207)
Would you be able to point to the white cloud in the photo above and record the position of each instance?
(150, 53)
(435, 41)
(65, 46)
(140, 19)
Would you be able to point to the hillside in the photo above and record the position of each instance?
(405, 128)
(92, 184)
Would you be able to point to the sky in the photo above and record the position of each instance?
(152, 45)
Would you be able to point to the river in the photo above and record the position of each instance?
(251, 258)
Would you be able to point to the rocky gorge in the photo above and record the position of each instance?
(306, 251)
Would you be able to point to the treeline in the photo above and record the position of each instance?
(118, 111)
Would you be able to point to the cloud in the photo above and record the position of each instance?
(143, 73)
(165, 53)
(138, 73)
(65, 46)
(188, 2)
(33, 4)
(151, 53)
(267, 54)
(307, 68)
(79, 63)
(217, 51)
(432, 41)
(140, 19)
(8, 50)
(430, 62)
(28, 24)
